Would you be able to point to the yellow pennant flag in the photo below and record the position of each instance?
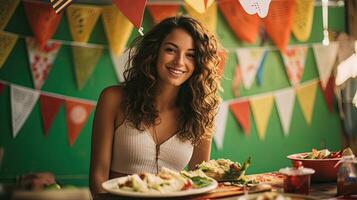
(7, 9)
(85, 59)
(199, 5)
(306, 95)
(7, 42)
(117, 27)
(302, 21)
(209, 18)
(81, 19)
(261, 109)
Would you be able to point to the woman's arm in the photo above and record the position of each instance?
(201, 153)
(102, 137)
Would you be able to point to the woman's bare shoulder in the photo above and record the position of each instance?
(112, 94)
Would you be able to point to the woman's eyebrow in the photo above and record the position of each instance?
(173, 44)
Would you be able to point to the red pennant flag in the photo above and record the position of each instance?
(328, 92)
(77, 113)
(241, 112)
(49, 107)
(205, 1)
(132, 9)
(244, 26)
(2, 86)
(160, 12)
(278, 23)
(43, 21)
(223, 56)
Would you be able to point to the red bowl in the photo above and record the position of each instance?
(325, 169)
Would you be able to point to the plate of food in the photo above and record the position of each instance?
(167, 183)
(276, 196)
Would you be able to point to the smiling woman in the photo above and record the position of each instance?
(162, 114)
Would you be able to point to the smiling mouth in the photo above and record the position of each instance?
(176, 71)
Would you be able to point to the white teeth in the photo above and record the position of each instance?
(175, 71)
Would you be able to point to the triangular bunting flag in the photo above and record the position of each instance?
(306, 95)
(49, 108)
(7, 9)
(241, 112)
(261, 109)
(208, 18)
(77, 113)
(43, 21)
(285, 100)
(119, 63)
(294, 61)
(160, 12)
(260, 69)
(199, 5)
(244, 26)
(117, 28)
(85, 60)
(249, 61)
(328, 92)
(237, 78)
(325, 57)
(41, 60)
(223, 56)
(132, 9)
(7, 42)
(2, 87)
(22, 103)
(303, 17)
(278, 22)
(260, 7)
(81, 19)
(220, 124)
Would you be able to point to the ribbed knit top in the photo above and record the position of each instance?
(134, 151)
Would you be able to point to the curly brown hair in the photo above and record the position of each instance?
(198, 96)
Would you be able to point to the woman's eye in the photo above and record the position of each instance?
(191, 56)
(170, 50)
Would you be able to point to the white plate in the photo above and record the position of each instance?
(284, 195)
(111, 186)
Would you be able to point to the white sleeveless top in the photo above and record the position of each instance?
(134, 151)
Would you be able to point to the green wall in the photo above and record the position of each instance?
(31, 151)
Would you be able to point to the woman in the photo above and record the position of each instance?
(163, 113)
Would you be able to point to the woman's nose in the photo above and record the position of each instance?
(179, 59)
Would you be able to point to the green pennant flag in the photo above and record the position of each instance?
(85, 59)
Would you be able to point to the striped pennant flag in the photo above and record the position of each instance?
(60, 5)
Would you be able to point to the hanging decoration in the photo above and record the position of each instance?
(199, 5)
(22, 102)
(306, 95)
(81, 20)
(261, 108)
(220, 124)
(260, 69)
(160, 12)
(237, 78)
(7, 43)
(133, 10)
(77, 113)
(325, 57)
(85, 60)
(49, 107)
(285, 101)
(41, 60)
(244, 26)
(259, 7)
(208, 18)
(328, 93)
(117, 28)
(7, 9)
(241, 112)
(43, 21)
(223, 56)
(294, 61)
(278, 22)
(302, 21)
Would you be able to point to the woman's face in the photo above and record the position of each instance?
(176, 58)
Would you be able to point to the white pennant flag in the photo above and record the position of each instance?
(325, 57)
(249, 62)
(261, 7)
(119, 63)
(285, 100)
(220, 123)
(22, 103)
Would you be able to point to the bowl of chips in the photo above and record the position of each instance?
(324, 162)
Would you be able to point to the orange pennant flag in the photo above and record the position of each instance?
(279, 21)
(43, 21)
(77, 113)
(328, 92)
(49, 107)
(160, 12)
(244, 26)
(223, 56)
(241, 112)
(132, 9)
